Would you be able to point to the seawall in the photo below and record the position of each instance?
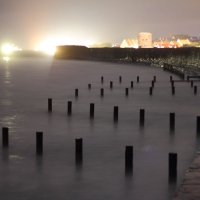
(181, 57)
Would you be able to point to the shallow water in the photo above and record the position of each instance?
(25, 86)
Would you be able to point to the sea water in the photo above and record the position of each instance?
(25, 86)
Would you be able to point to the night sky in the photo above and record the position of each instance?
(28, 23)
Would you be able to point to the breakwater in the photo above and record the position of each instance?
(185, 60)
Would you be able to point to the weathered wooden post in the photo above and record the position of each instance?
(102, 79)
(172, 83)
(102, 92)
(152, 84)
(69, 108)
(198, 124)
(5, 136)
(131, 84)
(49, 104)
(126, 91)
(79, 150)
(142, 117)
(173, 90)
(129, 158)
(76, 92)
(172, 164)
(150, 90)
(195, 89)
(115, 113)
(172, 121)
(92, 110)
(111, 84)
(39, 143)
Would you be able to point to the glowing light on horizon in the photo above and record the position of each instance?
(7, 48)
(49, 49)
(49, 45)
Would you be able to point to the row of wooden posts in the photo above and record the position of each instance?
(128, 149)
(79, 152)
(116, 114)
(173, 87)
(132, 84)
(120, 80)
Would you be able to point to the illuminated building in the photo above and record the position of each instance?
(145, 40)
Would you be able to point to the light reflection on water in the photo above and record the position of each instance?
(6, 102)
(26, 84)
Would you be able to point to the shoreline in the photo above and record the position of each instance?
(190, 187)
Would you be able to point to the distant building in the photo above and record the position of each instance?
(129, 43)
(145, 40)
(183, 42)
(165, 44)
(194, 39)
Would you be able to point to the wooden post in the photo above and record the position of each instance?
(126, 91)
(138, 79)
(150, 90)
(120, 79)
(172, 164)
(131, 84)
(152, 84)
(102, 92)
(92, 110)
(102, 79)
(171, 78)
(76, 92)
(115, 114)
(39, 143)
(79, 149)
(89, 86)
(69, 108)
(142, 117)
(172, 121)
(111, 84)
(49, 104)
(173, 90)
(195, 89)
(5, 137)
(198, 124)
(192, 83)
(129, 158)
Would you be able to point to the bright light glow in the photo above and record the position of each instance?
(49, 45)
(50, 49)
(6, 58)
(7, 48)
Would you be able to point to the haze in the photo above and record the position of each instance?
(28, 23)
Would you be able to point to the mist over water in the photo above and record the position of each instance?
(25, 86)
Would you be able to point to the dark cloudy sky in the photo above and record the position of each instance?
(28, 23)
